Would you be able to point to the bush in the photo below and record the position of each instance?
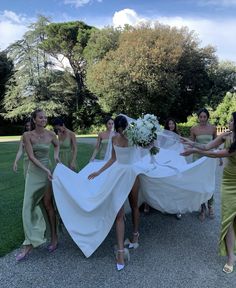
(184, 129)
(93, 129)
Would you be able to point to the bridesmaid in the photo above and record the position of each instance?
(37, 204)
(21, 150)
(227, 243)
(102, 140)
(171, 125)
(68, 144)
(203, 133)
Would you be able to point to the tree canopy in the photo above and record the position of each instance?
(82, 72)
(159, 70)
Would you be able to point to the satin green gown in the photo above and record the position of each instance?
(203, 139)
(25, 163)
(228, 199)
(102, 149)
(65, 152)
(35, 220)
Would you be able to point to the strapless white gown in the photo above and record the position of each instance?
(88, 208)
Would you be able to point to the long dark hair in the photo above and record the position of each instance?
(58, 122)
(120, 122)
(166, 126)
(204, 110)
(27, 120)
(33, 117)
(232, 148)
(106, 119)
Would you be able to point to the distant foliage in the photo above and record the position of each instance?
(223, 111)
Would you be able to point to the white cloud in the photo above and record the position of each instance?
(79, 3)
(126, 16)
(12, 28)
(218, 33)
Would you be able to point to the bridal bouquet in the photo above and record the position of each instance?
(143, 132)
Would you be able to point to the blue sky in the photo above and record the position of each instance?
(213, 21)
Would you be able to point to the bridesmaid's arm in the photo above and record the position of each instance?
(30, 153)
(19, 154)
(214, 132)
(74, 151)
(107, 165)
(98, 143)
(211, 145)
(192, 134)
(211, 154)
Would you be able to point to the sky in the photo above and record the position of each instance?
(213, 21)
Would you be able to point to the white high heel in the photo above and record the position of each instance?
(119, 266)
(132, 245)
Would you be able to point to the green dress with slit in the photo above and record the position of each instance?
(228, 199)
(35, 220)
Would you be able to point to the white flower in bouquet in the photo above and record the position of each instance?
(143, 132)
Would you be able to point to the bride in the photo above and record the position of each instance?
(125, 157)
(90, 202)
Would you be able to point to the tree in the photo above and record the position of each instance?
(6, 67)
(100, 43)
(68, 41)
(159, 70)
(223, 79)
(223, 112)
(35, 82)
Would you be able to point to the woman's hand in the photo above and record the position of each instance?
(188, 152)
(72, 166)
(49, 175)
(93, 175)
(57, 160)
(186, 141)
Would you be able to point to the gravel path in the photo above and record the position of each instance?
(172, 254)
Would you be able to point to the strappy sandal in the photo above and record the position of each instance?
(125, 251)
(132, 245)
(228, 268)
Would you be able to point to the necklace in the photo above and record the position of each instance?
(39, 136)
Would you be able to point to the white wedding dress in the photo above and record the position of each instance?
(88, 208)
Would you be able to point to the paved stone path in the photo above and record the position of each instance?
(172, 254)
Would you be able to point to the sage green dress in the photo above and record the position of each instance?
(35, 220)
(25, 163)
(65, 152)
(203, 139)
(228, 199)
(102, 149)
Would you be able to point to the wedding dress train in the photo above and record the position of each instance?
(88, 208)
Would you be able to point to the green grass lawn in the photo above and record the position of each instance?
(12, 191)
(17, 138)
